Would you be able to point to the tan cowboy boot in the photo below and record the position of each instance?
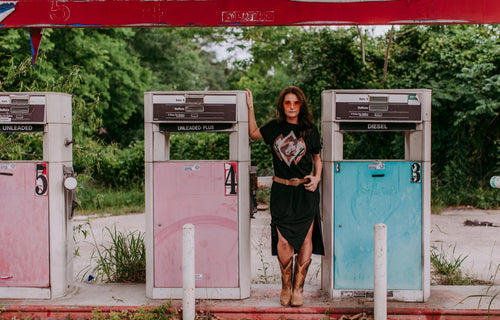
(286, 279)
(298, 284)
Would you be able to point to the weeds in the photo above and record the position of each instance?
(76, 230)
(314, 274)
(24, 317)
(163, 312)
(491, 292)
(264, 277)
(447, 269)
(123, 261)
(359, 316)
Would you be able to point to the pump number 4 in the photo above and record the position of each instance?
(231, 179)
(41, 179)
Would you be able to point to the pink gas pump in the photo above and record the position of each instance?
(212, 195)
(35, 228)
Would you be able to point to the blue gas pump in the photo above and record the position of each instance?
(357, 194)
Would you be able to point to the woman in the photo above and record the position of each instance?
(295, 224)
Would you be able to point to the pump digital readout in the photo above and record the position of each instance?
(194, 108)
(21, 118)
(381, 107)
(22, 114)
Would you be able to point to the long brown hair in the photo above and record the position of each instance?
(305, 120)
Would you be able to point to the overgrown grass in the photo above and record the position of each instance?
(447, 269)
(121, 260)
(490, 295)
(463, 194)
(100, 200)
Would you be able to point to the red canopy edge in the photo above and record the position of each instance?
(175, 13)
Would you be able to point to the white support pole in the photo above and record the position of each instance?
(380, 269)
(188, 280)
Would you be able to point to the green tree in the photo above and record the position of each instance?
(315, 59)
(459, 63)
(461, 66)
(110, 73)
(177, 58)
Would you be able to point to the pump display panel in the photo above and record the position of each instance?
(377, 112)
(386, 107)
(19, 113)
(194, 108)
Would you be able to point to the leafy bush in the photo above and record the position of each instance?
(199, 146)
(97, 199)
(262, 158)
(21, 146)
(110, 165)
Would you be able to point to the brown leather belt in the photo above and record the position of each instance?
(290, 182)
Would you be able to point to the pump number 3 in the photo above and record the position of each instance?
(231, 179)
(41, 179)
(416, 172)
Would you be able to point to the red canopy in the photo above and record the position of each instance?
(173, 13)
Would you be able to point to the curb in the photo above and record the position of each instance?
(237, 313)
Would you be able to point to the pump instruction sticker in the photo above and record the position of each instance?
(41, 179)
(231, 179)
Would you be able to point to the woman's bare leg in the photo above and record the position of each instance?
(285, 249)
(305, 252)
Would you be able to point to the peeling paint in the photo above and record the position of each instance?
(59, 12)
(432, 22)
(6, 8)
(247, 16)
(35, 39)
(82, 25)
(321, 23)
(206, 13)
(340, 1)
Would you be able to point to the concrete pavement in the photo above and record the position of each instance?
(478, 243)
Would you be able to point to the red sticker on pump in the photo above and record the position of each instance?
(41, 179)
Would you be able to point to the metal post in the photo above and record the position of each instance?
(188, 280)
(380, 269)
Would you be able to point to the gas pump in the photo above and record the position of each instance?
(35, 228)
(357, 194)
(212, 195)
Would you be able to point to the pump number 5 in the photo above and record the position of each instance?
(41, 180)
(231, 179)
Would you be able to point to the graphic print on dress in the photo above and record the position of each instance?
(290, 149)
